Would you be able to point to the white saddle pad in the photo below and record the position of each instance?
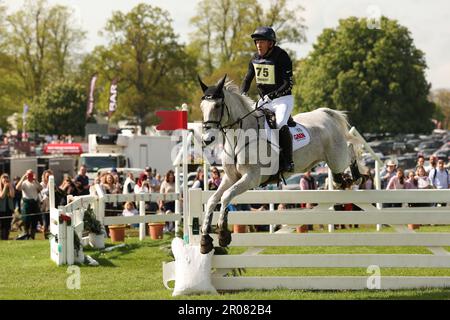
(300, 136)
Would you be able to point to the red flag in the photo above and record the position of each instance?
(172, 120)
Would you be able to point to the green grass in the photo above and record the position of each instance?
(135, 272)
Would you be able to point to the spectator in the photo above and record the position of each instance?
(168, 186)
(130, 211)
(432, 164)
(386, 175)
(18, 195)
(30, 202)
(142, 185)
(109, 185)
(367, 183)
(82, 182)
(129, 184)
(420, 161)
(45, 201)
(423, 181)
(214, 182)
(307, 182)
(66, 188)
(388, 172)
(440, 178)
(398, 182)
(199, 182)
(7, 194)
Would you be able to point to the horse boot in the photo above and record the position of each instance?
(356, 175)
(286, 163)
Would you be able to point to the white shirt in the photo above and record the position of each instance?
(442, 179)
(128, 181)
(30, 190)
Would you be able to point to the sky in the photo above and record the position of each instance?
(427, 20)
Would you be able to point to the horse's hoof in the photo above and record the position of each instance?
(224, 237)
(206, 244)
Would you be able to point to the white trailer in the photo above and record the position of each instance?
(129, 151)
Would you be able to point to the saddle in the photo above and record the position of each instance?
(272, 121)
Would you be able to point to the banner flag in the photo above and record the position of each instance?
(172, 120)
(90, 107)
(25, 111)
(112, 97)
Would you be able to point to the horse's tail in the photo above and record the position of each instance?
(341, 119)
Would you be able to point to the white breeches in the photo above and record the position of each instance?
(282, 107)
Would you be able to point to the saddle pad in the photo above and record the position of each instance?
(300, 136)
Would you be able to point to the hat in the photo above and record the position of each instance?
(390, 163)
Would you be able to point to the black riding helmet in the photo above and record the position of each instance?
(264, 33)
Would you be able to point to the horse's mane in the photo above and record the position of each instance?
(234, 89)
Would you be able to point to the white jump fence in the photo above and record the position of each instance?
(324, 213)
(62, 244)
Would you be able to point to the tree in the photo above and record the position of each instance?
(10, 85)
(144, 54)
(442, 99)
(43, 43)
(223, 29)
(377, 75)
(60, 109)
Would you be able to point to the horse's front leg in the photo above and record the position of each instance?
(248, 181)
(206, 242)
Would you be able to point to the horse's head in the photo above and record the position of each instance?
(215, 112)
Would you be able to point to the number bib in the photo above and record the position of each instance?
(265, 73)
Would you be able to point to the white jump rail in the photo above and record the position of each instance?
(325, 214)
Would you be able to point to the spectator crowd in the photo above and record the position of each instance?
(24, 201)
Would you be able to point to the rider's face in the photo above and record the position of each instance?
(263, 46)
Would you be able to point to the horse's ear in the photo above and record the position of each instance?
(221, 84)
(204, 86)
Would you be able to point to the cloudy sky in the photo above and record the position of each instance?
(428, 21)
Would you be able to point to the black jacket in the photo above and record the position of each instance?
(273, 74)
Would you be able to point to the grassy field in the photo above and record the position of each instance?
(135, 272)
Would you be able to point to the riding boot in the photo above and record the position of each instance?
(286, 163)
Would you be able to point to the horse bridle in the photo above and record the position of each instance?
(224, 106)
(218, 123)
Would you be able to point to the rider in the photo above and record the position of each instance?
(272, 67)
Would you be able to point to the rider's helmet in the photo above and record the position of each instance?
(264, 33)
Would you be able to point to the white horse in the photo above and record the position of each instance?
(225, 109)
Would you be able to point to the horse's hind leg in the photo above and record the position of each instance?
(356, 175)
(206, 242)
(248, 181)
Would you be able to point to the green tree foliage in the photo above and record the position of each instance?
(60, 109)
(10, 85)
(442, 99)
(221, 41)
(153, 69)
(43, 42)
(223, 29)
(377, 75)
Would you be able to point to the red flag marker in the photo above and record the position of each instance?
(172, 120)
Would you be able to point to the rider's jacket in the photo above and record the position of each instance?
(273, 74)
